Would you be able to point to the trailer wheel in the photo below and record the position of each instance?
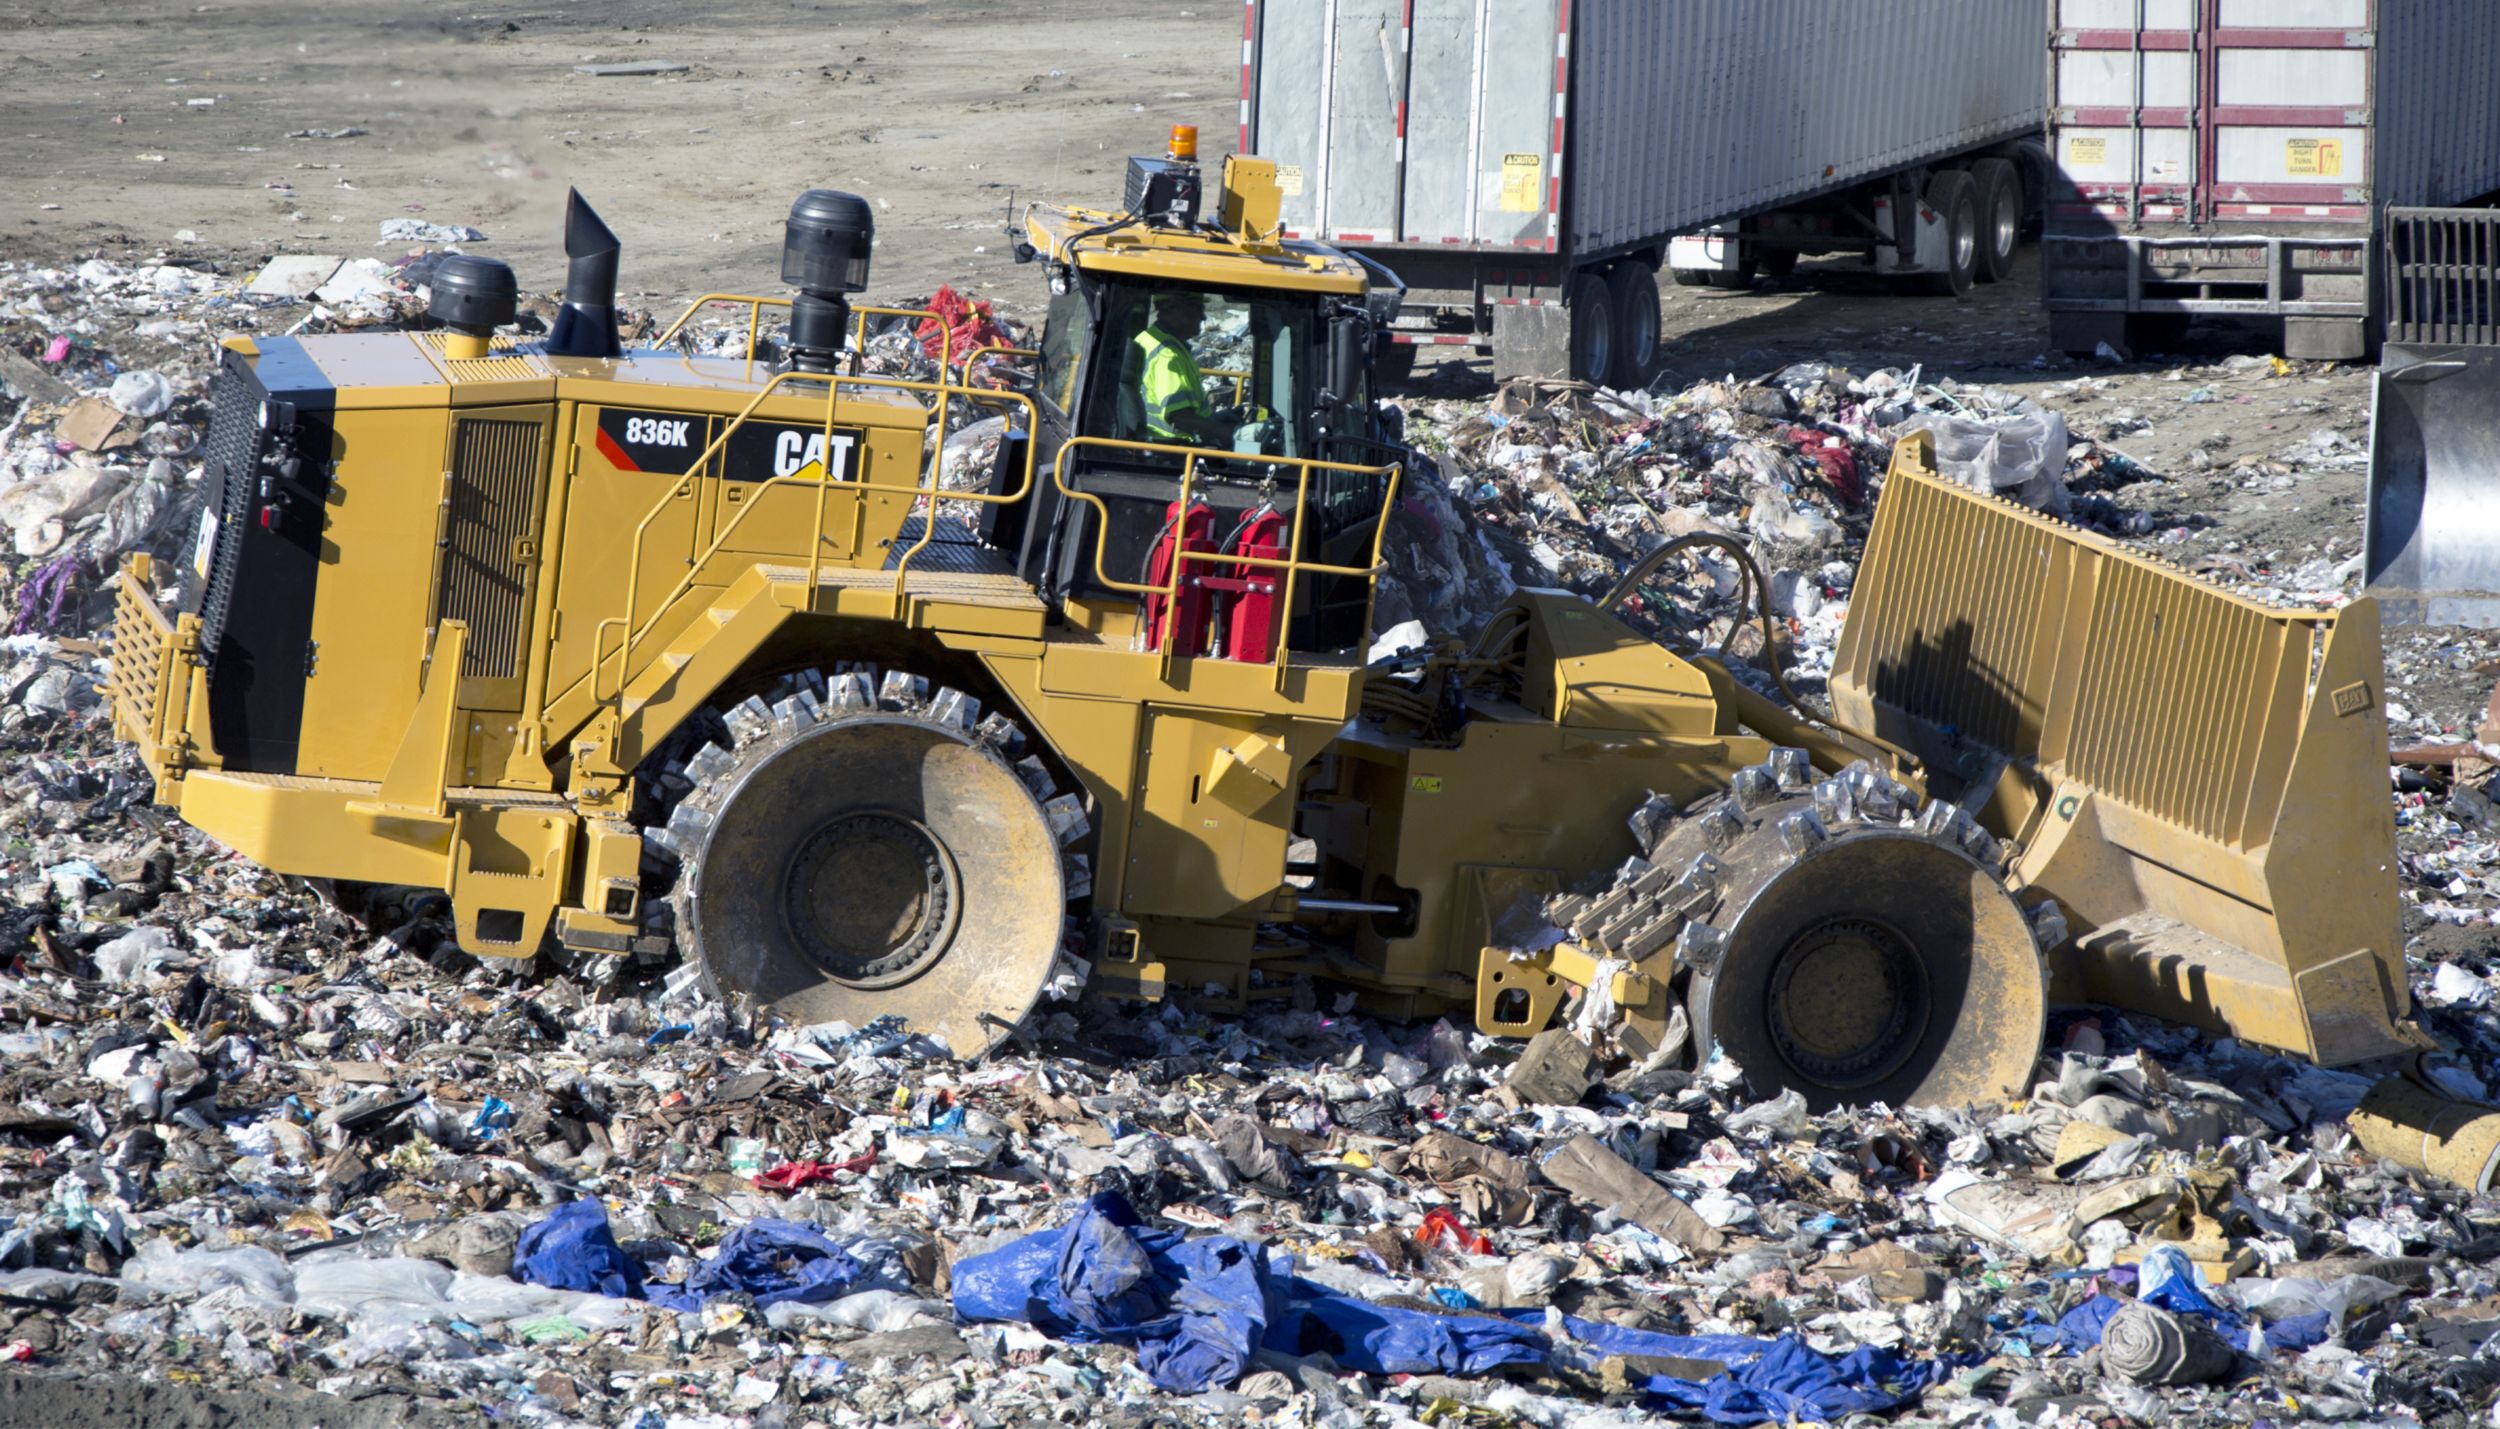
(1956, 201)
(1396, 365)
(1633, 289)
(2000, 217)
(1592, 330)
(1740, 281)
(1776, 263)
(1691, 277)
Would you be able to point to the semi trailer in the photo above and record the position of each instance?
(1529, 167)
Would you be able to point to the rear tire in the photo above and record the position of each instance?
(871, 852)
(1956, 201)
(1633, 290)
(1691, 277)
(1740, 281)
(2000, 218)
(1776, 263)
(1592, 330)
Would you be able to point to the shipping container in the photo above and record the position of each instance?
(1526, 164)
(2238, 157)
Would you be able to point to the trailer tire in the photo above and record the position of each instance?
(1691, 277)
(1396, 365)
(2000, 217)
(1633, 290)
(1956, 201)
(1591, 306)
(1776, 263)
(1740, 281)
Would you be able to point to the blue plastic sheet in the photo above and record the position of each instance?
(1388, 1339)
(573, 1249)
(772, 1261)
(2300, 1332)
(2080, 1329)
(1197, 1310)
(1782, 1381)
(2171, 1281)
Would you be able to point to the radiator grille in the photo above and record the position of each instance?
(494, 468)
(2443, 277)
(231, 458)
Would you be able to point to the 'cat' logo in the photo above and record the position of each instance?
(794, 452)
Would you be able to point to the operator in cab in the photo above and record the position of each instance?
(1171, 389)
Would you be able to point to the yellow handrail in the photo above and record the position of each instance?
(1291, 565)
(932, 489)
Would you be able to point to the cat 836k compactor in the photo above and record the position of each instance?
(644, 653)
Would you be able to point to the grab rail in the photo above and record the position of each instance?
(1292, 566)
(637, 630)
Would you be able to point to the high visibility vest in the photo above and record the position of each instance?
(1168, 382)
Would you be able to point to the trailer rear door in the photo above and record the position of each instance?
(1411, 121)
(2187, 111)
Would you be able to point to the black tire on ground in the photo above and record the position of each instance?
(1592, 329)
(2000, 217)
(2149, 333)
(1633, 289)
(1740, 281)
(1776, 263)
(1956, 201)
(1836, 940)
(1690, 277)
(868, 848)
(1396, 364)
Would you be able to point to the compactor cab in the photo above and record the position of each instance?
(1279, 338)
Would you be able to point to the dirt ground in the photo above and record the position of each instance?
(141, 121)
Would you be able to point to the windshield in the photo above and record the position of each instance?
(1218, 368)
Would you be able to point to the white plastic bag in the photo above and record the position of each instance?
(2019, 454)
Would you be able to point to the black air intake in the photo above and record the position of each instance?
(824, 254)
(586, 324)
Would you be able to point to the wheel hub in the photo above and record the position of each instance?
(1848, 1002)
(872, 898)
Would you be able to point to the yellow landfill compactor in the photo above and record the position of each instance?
(640, 653)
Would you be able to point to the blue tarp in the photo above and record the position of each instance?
(573, 1249)
(1782, 1381)
(772, 1261)
(2080, 1329)
(2169, 1280)
(1197, 1310)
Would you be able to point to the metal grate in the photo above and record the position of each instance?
(231, 458)
(2443, 277)
(493, 470)
(141, 641)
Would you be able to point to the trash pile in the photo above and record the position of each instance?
(250, 1137)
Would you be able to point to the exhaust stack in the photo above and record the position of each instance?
(586, 324)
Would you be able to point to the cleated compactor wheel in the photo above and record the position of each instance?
(864, 849)
(1840, 941)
